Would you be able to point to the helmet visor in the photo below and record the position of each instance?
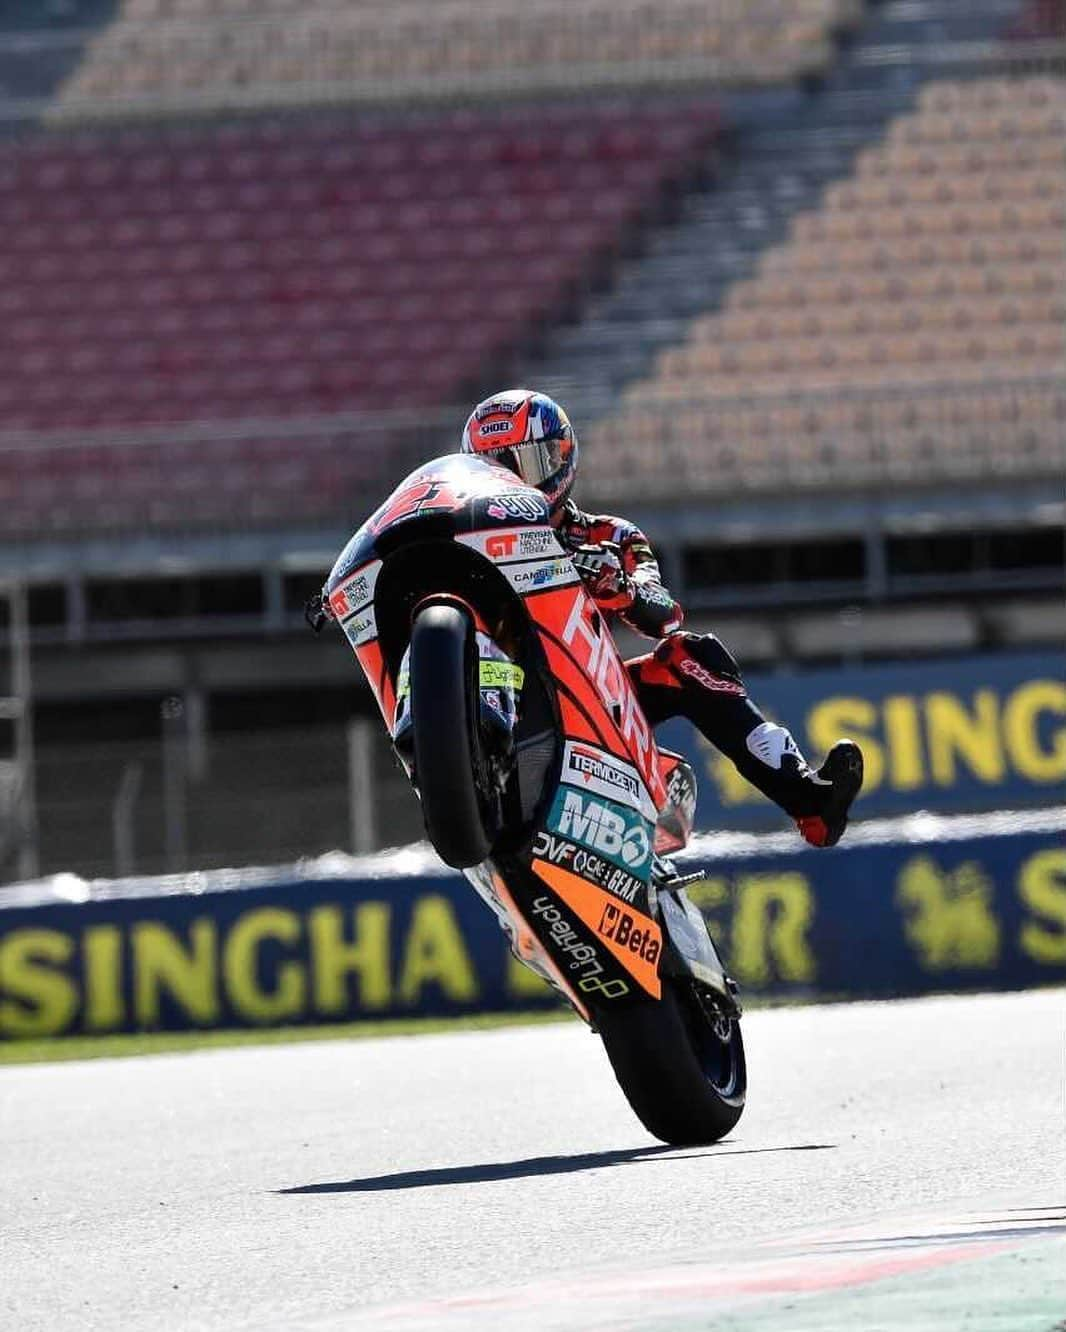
(535, 463)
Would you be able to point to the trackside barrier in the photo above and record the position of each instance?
(981, 732)
(906, 907)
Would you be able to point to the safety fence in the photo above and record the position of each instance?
(906, 907)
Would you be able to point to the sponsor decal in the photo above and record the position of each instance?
(501, 675)
(583, 958)
(360, 629)
(654, 594)
(631, 937)
(537, 542)
(355, 591)
(681, 792)
(720, 685)
(594, 650)
(627, 931)
(526, 504)
(496, 405)
(551, 573)
(595, 770)
(501, 544)
(558, 851)
(613, 831)
(496, 428)
(515, 543)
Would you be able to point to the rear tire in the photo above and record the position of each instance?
(685, 1083)
(444, 725)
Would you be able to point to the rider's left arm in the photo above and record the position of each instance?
(629, 584)
(652, 612)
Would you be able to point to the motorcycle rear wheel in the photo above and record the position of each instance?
(680, 1065)
(444, 725)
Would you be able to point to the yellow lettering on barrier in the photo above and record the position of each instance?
(856, 717)
(1042, 887)
(36, 999)
(334, 959)
(973, 737)
(913, 740)
(903, 732)
(770, 922)
(1020, 718)
(709, 894)
(101, 947)
(436, 954)
(523, 983)
(287, 995)
(948, 915)
(163, 964)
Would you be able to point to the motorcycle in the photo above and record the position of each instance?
(539, 778)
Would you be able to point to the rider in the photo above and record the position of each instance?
(689, 675)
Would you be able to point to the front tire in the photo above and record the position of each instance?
(680, 1064)
(446, 742)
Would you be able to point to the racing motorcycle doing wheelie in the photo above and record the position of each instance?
(512, 713)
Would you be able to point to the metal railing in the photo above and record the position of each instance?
(247, 475)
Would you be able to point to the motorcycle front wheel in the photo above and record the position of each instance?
(444, 725)
(680, 1062)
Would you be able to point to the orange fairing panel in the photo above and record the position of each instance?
(587, 668)
(529, 946)
(373, 663)
(634, 938)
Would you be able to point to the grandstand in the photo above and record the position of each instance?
(796, 268)
(941, 261)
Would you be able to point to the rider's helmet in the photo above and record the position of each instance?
(531, 435)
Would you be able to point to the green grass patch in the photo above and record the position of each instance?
(64, 1048)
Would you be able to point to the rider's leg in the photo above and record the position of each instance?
(694, 676)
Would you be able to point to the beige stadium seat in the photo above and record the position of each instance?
(947, 95)
(904, 159)
(937, 270)
(226, 52)
(856, 320)
(945, 188)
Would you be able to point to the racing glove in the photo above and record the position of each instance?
(601, 571)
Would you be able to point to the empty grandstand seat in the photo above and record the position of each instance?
(913, 325)
(225, 53)
(267, 269)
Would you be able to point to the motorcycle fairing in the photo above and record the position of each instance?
(590, 674)
(677, 816)
(594, 934)
(455, 492)
(525, 945)
(632, 936)
(693, 945)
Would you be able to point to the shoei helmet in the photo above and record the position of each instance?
(530, 435)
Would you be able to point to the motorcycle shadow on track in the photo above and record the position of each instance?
(490, 1172)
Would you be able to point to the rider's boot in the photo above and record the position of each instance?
(694, 676)
(841, 774)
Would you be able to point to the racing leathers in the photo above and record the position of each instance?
(695, 676)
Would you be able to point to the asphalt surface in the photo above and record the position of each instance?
(499, 1179)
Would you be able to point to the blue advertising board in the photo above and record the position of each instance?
(982, 732)
(902, 908)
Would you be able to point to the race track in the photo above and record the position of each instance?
(909, 1156)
